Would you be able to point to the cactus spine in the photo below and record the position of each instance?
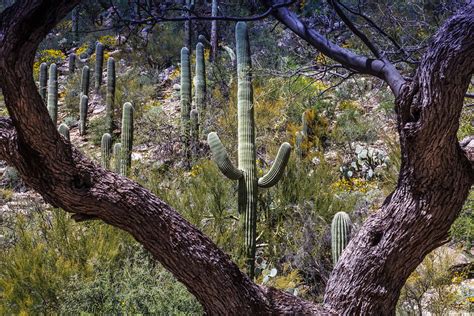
(83, 107)
(200, 82)
(72, 63)
(99, 61)
(43, 81)
(117, 153)
(63, 129)
(85, 80)
(110, 98)
(126, 139)
(340, 234)
(246, 172)
(106, 147)
(53, 93)
(185, 98)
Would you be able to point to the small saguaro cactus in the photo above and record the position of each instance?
(185, 97)
(43, 81)
(117, 153)
(246, 172)
(299, 141)
(63, 129)
(106, 148)
(340, 234)
(83, 107)
(72, 63)
(200, 79)
(85, 80)
(302, 137)
(126, 139)
(110, 98)
(53, 93)
(99, 61)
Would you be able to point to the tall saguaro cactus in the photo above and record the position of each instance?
(126, 139)
(185, 97)
(246, 173)
(106, 148)
(110, 98)
(200, 81)
(43, 81)
(85, 80)
(117, 153)
(340, 234)
(72, 63)
(213, 54)
(99, 61)
(53, 93)
(83, 108)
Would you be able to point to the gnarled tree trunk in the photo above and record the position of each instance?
(434, 180)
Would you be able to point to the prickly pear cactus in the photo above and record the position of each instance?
(72, 63)
(53, 93)
(340, 234)
(117, 153)
(83, 108)
(85, 78)
(110, 98)
(43, 81)
(106, 148)
(63, 129)
(246, 173)
(126, 139)
(99, 62)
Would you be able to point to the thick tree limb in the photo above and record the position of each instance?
(382, 69)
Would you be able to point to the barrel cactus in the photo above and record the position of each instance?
(63, 129)
(185, 98)
(117, 153)
(85, 80)
(246, 173)
(72, 63)
(43, 81)
(83, 108)
(110, 98)
(106, 148)
(340, 234)
(126, 139)
(53, 93)
(99, 61)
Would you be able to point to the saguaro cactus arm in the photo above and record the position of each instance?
(276, 171)
(222, 158)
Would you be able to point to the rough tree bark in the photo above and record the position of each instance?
(434, 180)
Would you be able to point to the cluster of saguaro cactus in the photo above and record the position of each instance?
(72, 63)
(43, 81)
(340, 234)
(63, 129)
(99, 61)
(85, 78)
(246, 173)
(126, 139)
(110, 97)
(106, 148)
(53, 93)
(83, 108)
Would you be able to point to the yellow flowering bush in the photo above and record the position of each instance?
(48, 56)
